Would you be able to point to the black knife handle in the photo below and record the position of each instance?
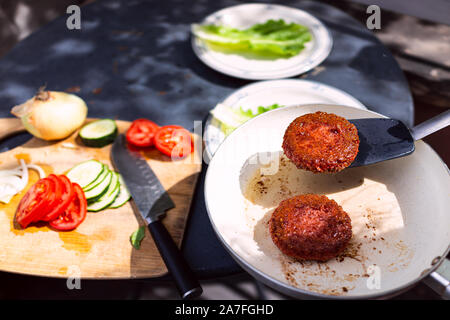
(184, 278)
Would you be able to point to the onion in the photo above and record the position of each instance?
(52, 115)
(24, 178)
(15, 180)
(36, 168)
(9, 188)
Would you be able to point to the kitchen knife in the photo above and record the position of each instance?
(384, 139)
(152, 201)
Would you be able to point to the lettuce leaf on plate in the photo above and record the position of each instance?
(274, 37)
(231, 118)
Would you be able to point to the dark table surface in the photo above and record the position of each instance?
(139, 54)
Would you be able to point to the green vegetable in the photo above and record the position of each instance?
(102, 187)
(137, 236)
(97, 192)
(108, 196)
(123, 197)
(231, 118)
(250, 114)
(85, 173)
(274, 37)
(99, 133)
(98, 180)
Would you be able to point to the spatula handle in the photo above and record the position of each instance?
(432, 125)
(184, 278)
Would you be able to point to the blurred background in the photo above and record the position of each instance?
(417, 33)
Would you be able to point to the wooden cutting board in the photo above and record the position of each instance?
(100, 247)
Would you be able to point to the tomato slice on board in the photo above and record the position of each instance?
(74, 213)
(34, 203)
(174, 141)
(53, 197)
(66, 195)
(141, 132)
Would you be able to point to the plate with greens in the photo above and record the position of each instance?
(261, 41)
(257, 98)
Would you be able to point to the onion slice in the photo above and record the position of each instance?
(38, 169)
(9, 187)
(12, 172)
(15, 180)
(24, 178)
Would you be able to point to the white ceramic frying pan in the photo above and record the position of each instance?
(399, 210)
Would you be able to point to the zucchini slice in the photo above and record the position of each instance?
(85, 173)
(99, 179)
(108, 197)
(100, 189)
(99, 133)
(123, 197)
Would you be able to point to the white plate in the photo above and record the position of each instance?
(246, 15)
(283, 92)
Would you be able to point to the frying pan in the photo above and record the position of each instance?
(399, 210)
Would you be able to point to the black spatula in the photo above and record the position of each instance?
(385, 139)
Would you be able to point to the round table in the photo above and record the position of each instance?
(134, 59)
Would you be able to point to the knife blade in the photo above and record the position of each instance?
(152, 201)
(149, 195)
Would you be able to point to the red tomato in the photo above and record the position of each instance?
(35, 202)
(53, 197)
(74, 213)
(141, 133)
(66, 195)
(174, 141)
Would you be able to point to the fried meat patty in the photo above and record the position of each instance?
(310, 227)
(321, 142)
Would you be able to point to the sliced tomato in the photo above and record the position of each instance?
(174, 141)
(53, 197)
(142, 132)
(35, 202)
(65, 195)
(74, 213)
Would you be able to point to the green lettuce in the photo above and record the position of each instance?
(231, 118)
(274, 37)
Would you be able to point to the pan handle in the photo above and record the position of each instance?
(439, 280)
(430, 126)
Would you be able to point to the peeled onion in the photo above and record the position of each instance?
(52, 115)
